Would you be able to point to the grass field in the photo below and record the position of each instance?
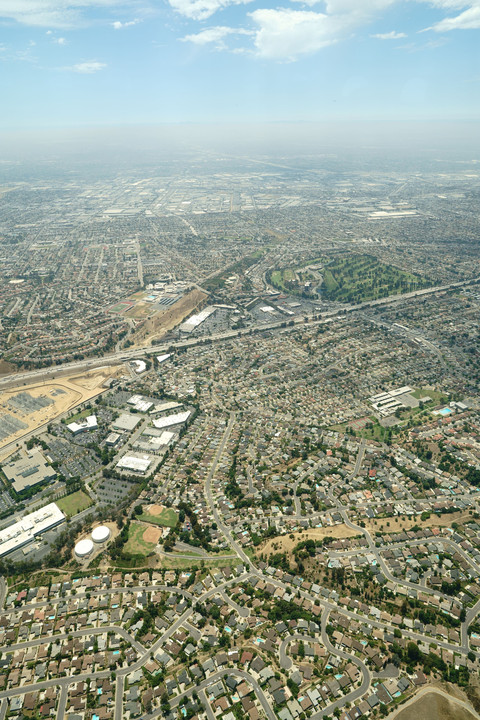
(357, 278)
(136, 544)
(437, 397)
(73, 504)
(167, 518)
(79, 416)
(121, 307)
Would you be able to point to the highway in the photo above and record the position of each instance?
(117, 357)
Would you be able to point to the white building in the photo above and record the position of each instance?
(88, 423)
(134, 463)
(26, 529)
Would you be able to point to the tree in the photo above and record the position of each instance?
(413, 652)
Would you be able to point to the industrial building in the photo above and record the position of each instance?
(27, 529)
(171, 420)
(134, 463)
(193, 322)
(126, 422)
(139, 403)
(88, 423)
(30, 471)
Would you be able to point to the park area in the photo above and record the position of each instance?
(142, 540)
(357, 278)
(159, 515)
(72, 504)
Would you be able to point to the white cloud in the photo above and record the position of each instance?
(202, 9)
(88, 68)
(389, 36)
(469, 19)
(365, 8)
(52, 13)
(119, 25)
(285, 33)
(214, 35)
(61, 41)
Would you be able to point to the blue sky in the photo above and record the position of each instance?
(109, 62)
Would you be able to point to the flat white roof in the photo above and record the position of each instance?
(162, 358)
(26, 529)
(131, 462)
(197, 319)
(88, 423)
(126, 422)
(161, 407)
(172, 419)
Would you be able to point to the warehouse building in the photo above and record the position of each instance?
(193, 322)
(27, 472)
(134, 463)
(126, 422)
(171, 420)
(26, 530)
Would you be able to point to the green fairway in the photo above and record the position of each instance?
(357, 278)
(73, 504)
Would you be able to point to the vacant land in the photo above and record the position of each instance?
(156, 326)
(286, 543)
(46, 401)
(362, 277)
(6, 368)
(73, 504)
(159, 515)
(397, 524)
(140, 540)
(433, 706)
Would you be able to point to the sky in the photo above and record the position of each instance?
(82, 63)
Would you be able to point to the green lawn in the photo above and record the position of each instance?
(79, 416)
(167, 518)
(135, 544)
(73, 504)
(437, 397)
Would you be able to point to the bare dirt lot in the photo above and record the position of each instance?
(285, 543)
(56, 396)
(6, 368)
(152, 535)
(397, 524)
(433, 706)
(158, 325)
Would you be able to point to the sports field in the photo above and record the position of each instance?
(159, 515)
(121, 307)
(141, 540)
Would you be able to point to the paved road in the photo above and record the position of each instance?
(351, 696)
(62, 702)
(208, 708)
(243, 674)
(60, 682)
(78, 633)
(116, 358)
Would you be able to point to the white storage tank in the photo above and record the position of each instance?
(100, 534)
(84, 548)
